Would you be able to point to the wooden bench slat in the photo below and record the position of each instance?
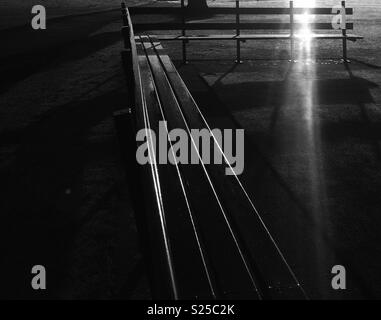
(195, 283)
(264, 255)
(251, 37)
(154, 237)
(234, 26)
(150, 215)
(225, 11)
(230, 271)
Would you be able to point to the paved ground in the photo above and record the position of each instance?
(314, 136)
(15, 13)
(64, 201)
(313, 160)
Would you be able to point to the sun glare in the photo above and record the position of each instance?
(305, 33)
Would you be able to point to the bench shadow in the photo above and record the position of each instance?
(367, 64)
(355, 90)
(41, 201)
(372, 130)
(132, 281)
(330, 91)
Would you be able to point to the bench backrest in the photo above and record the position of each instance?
(183, 15)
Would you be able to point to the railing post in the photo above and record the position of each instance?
(344, 30)
(238, 32)
(292, 30)
(183, 32)
(124, 14)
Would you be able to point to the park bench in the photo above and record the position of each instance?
(201, 235)
(261, 29)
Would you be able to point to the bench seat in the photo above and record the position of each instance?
(218, 246)
(200, 233)
(196, 230)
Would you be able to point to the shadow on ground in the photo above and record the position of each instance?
(40, 210)
(279, 155)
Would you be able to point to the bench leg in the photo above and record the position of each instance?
(124, 14)
(129, 73)
(345, 50)
(292, 48)
(125, 128)
(185, 61)
(238, 60)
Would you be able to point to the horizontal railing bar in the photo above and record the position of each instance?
(231, 26)
(243, 11)
(252, 37)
